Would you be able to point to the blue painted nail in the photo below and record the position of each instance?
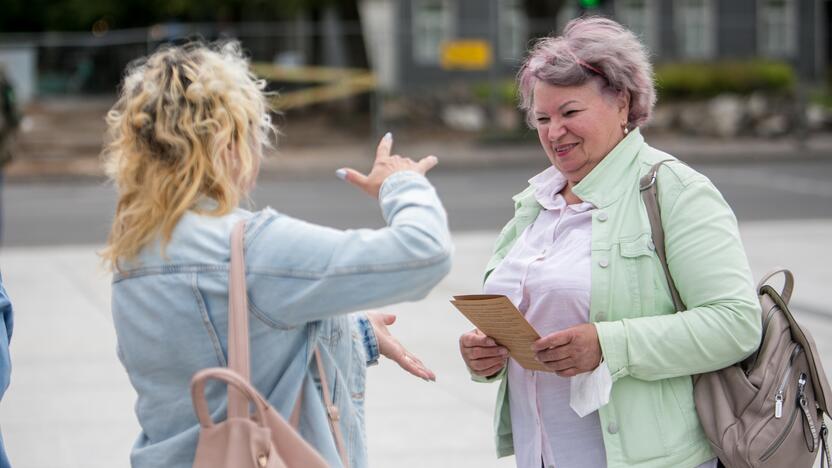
(341, 174)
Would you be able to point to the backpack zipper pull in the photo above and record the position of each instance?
(778, 405)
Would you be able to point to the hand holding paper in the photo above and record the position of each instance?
(497, 317)
(571, 351)
(482, 354)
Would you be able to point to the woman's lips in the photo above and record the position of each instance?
(563, 150)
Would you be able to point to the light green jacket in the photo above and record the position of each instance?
(651, 351)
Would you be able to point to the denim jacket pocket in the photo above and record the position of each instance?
(638, 265)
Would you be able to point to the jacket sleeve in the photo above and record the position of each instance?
(300, 272)
(721, 325)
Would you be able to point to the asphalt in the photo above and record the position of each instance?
(61, 139)
(70, 404)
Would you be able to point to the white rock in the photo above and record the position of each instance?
(726, 112)
(467, 117)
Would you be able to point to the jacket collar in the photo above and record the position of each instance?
(603, 185)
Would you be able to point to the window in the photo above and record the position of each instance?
(432, 25)
(640, 17)
(513, 29)
(776, 29)
(695, 30)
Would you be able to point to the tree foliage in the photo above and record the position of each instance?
(80, 15)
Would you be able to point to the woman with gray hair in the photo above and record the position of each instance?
(578, 260)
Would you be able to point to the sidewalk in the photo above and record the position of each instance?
(70, 404)
(63, 139)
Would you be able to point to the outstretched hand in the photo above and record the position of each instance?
(384, 166)
(390, 347)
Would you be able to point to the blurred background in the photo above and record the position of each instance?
(745, 96)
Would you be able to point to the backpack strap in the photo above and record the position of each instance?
(331, 410)
(650, 194)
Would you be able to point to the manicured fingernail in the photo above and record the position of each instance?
(388, 136)
(341, 174)
(503, 352)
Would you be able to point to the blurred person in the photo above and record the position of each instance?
(578, 261)
(6, 325)
(9, 123)
(186, 139)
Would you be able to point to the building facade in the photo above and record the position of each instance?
(795, 31)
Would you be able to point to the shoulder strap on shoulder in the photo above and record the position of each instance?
(650, 196)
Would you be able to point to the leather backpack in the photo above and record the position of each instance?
(262, 438)
(767, 410)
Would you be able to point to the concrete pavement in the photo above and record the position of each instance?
(70, 404)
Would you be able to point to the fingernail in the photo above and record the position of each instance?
(503, 352)
(388, 136)
(341, 174)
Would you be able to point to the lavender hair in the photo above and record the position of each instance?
(591, 48)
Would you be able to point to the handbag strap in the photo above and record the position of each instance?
(650, 194)
(238, 346)
(238, 339)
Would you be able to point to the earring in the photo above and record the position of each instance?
(626, 128)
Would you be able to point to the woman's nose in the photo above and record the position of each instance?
(556, 131)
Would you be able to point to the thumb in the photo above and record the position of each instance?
(425, 164)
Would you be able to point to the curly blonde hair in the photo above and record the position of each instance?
(190, 123)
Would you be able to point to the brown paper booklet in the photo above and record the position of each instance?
(497, 317)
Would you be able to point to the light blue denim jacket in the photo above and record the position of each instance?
(170, 312)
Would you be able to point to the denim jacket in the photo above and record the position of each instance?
(651, 351)
(6, 325)
(170, 312)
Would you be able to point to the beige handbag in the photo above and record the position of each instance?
(263, 439)
(768, 410)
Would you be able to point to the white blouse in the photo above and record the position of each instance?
(547, 276)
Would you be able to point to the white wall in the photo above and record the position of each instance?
(20, 64)
(378, 20)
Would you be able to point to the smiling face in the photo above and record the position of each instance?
(578, 125)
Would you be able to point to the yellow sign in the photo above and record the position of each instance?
(470, 54)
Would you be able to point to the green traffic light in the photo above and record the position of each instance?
(589, 3)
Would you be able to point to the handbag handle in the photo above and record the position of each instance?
(233, 380)
(238, 344)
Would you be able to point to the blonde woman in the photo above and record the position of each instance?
(186, 138)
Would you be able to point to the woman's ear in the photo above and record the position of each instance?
(623, 101)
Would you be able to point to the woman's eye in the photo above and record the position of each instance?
(570, 112)
(542, 119)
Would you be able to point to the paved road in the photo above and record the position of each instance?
(477, 199)
(69, 389)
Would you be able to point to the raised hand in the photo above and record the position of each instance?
(383, 167)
